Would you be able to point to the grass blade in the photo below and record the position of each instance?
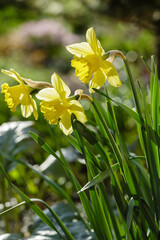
(129, 215)
(99, 178)
(155, 96)
(130, 111)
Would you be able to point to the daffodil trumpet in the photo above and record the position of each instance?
(19, 94)
(90, 65)
(57, 105)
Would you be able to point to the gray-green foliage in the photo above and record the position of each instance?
(14, 138)
(40, 231)
(69, 218)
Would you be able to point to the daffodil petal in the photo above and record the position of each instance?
(47, 94)
(12, 73)
(65, 123)
(111, 74)
(78, 110)
(80, 49)
(34, 105)
(93, 41)
(60, 86)
(26, 110)
(100, 48)
(27, 104)
(98, 80)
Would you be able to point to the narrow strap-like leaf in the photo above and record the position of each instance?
(130, 111)
(155, 95)
(100, 177)
(129, 215)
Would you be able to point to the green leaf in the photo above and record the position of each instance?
(78, 136)
(102, 112)
(130, 111)
(100, 177)
(44, 145)
(108, 207)
(148, 214)
(129, 215)
(155, 95)
(89, 153)
(119, 197)
(80, 133)
(83, 197)
(14, 138)
(102, 217)
(129, 177)
(83, 131)
(150, 139)
(48, 149)
(143, 180)
(105, 231)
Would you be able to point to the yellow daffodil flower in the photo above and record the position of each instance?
(19, 94)
(56, 105)
(89, 60)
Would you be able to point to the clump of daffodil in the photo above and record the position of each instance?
(19, 94)
(89, 60)
(57, 106)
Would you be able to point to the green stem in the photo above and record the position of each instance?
(51, 131)
(3, 190)
(135, 94)
(110, 210)
(113, 115)
(64, 161)
(116, 129)
(110, 137)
